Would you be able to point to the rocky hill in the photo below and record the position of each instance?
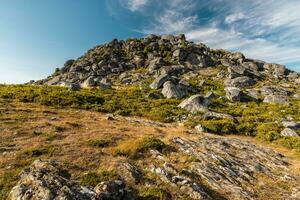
(167, 119)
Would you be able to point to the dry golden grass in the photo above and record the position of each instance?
(84, 141)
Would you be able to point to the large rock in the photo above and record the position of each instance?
(275, 90)
(291, 124)
(155, 64)
(235, 94)
(196, 103)
(243, 81)
(216, 115)
(275, 99)
(88, 83)
(46, 180)
(159, 81)
(171, 90)
(289, 132)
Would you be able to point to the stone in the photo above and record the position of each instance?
(155, 64)
(112, 190)
(289, 132)
(105, 83)
(291, 124)
(216, 115)
(243, 81)
(238, 57)
(74, 87)
(235, 94)
(110, 117)
(200, 128)
(46, 180)
(159, 81)
(195, 103)
(171, 90)
(275, 90)
(128, 172)
(88, 83)
(275, 99)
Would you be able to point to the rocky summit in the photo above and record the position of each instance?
(158, 117)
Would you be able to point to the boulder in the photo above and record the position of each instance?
(159, 81)
(112, 190)
(200, 128)
(128, 172)
(291, 124)
(46, 180)
(275, 90)
(216, 115)
(235, 94)
(155, 64)
(88, 83)
(171, 90)
(275, 99)
(289, 132)
(105, 83)
(74, 87)
(243, 81)
(194, 104)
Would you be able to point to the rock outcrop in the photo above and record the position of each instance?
(47, 180)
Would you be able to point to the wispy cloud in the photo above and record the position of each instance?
(135, 5)
(267, 30)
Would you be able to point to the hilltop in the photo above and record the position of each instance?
(158, 117)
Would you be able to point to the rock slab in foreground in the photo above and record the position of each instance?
(45, 180)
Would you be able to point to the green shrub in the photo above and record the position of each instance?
(7, 181)
(134, 148)
(37, 151)
(222, 126)
(152, 194)
(99, 143)
(268, 131)
(94, 178)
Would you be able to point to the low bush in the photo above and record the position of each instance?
(135, 148)
(93, 178)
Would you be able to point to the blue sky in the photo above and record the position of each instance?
(38, 36)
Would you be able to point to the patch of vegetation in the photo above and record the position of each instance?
(127, 101)
(152, 193)
(95, 177)
(100, 143)
(7, 181)
(135, 148)
(37, 151)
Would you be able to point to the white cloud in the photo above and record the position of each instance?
(268, 30)
(135, 5)
(234, 17)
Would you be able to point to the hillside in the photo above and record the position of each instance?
(153, 118)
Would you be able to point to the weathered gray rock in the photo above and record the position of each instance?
(171, 90)
(88, 83)
(155, 64)
(291, 124)
(216, 115)
(275, 90)
(74, 87)
(275, 99)
(45, 180)
(114, 190)
(226, 165)
(241, 82)
(128, 172)
(235, 94)
(195, 103)
(159, 81)
(289, 132)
